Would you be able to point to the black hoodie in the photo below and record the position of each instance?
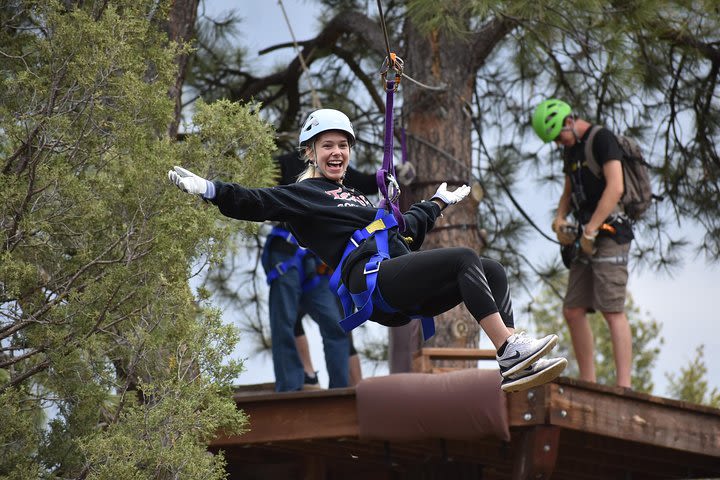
(323, 215)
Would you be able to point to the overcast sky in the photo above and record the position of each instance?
(683, 304)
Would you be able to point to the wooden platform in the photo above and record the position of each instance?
(564, 430)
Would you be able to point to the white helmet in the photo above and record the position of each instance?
(323, 120)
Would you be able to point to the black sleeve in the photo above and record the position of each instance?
(420, 219)
(606, 147)
(364, 182)
(259, 204)
(291, 166)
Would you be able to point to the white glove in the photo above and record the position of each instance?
(405, 173)
(187, 181)
(449, 197)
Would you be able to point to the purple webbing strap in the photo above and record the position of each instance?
(387, 165)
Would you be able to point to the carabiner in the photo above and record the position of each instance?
(393, 187)
(397, 64)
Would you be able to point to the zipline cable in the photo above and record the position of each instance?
(385, 177)
(384, 28)
(439, 88)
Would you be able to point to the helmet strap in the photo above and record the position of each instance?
(572, 118)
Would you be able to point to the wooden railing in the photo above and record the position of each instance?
(424, 358)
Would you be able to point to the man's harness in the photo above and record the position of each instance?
(297, 261)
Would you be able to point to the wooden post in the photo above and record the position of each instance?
(423, 361)
(314, 468)
(538, 452)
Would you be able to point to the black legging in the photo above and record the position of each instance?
(431, 282)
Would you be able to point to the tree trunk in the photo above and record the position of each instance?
(439, 132)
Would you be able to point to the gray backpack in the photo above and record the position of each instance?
(637, 196)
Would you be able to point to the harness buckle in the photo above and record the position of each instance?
(279, 268)
(372, 267)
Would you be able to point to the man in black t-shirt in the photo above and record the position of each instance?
(598, 272)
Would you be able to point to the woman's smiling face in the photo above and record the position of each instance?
(331, 153)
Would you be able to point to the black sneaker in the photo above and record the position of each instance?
(311, 382)
(542, 371)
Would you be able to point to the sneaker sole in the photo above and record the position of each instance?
(311, 387)
(522, 365)
(539, 378)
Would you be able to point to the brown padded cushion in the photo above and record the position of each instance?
(458, 405)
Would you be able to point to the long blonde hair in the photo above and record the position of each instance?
(309, 171)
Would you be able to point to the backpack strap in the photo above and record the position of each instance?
(590, 161)
(594, 166)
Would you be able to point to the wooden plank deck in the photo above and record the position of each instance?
(567, 429)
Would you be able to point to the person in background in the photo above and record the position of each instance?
(311, 379)
(598, 273)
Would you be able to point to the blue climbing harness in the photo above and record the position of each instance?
(367, 300)
(297, 261)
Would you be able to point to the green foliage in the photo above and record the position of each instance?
(691, 383)
(449, 16)
(183, 410)
(227, 130)
(21, 419)
(98, 326)
(546, 314)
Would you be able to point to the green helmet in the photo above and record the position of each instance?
(549, 117)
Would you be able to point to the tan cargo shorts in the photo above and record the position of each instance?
(599, 283)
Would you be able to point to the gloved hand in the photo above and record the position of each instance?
(187, 181)
(405, 173)
(451, 197)
(587, 242)
(565, 231)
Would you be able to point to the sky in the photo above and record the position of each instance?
(683, 303)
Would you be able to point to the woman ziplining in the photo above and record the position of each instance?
(380, 266)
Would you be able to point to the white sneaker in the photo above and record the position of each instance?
(522, 350)
(542, 371)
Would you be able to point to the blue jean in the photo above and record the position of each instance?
(286, 297)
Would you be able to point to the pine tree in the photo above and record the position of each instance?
(110, 366)
(691, 384)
